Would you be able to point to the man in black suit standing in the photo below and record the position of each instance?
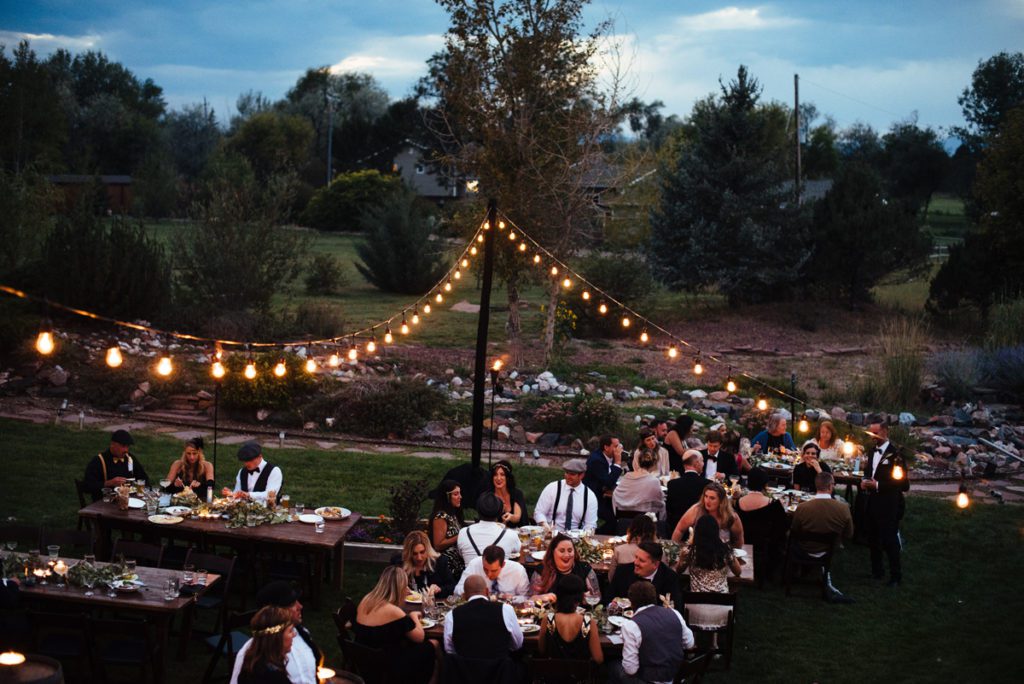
(885, 480)
(718, 464)
(685, 490)
(647, 565)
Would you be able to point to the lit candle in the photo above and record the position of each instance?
(11, 658)
(324, 674)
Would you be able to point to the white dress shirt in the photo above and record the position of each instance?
(273, 481)
(877, 457)
(508, 614)
(484, 534)
(512, 580)
(631, 639)
(545, 513)
(299, 664)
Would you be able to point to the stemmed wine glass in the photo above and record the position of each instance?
(88, 581)
(593, 595)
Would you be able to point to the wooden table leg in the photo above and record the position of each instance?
(186, 629)
(339, 564)
(162, 637)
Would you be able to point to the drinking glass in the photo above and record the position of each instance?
(88, 581)
(171, 590)
(164, 484)
(201, 577)
(111, 589)
(151, 504)
(188, 573)
(11, 545)
(319, 526)
(300, 508)
(53, 551)
(129, 569)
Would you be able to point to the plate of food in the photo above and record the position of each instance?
(333, 512)
(538, 555)
(739, 553)
(617, 620)
(126, 586)
(530, 628)
(136, 503)
(310, 518)
(162, 519)
(426, 623)
(177, 510)
(414, 597)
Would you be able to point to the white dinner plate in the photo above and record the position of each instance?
(136, 503)
(426, 623)
(414, 598)
(165, 519)
(531, 529)
(310, 518)
(617, 620)
(538, 555)
(739, 553)
(333, 512)
(530, 629)
(176, 510)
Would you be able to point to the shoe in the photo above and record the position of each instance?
(893, 583)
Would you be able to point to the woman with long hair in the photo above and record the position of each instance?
(640, 489)
(191, 470)
(709, 561)
(382, 623)
(677, 441)
(828, 442)
(427, 569)
(568, 634)
(714, 503)
(264, 660)
(560, 561)
(764, 524)
(641, 529)
(503, 484)
(445, 522)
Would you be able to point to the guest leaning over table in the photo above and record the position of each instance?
(445, 522)
(654, 642)
(504, 577)
(641, 529)
(304, 656)
(256, 477)
(381, 623)
(568, 504)
(560, 562)
(568, 634)
(264, 657)
(427, 569)
(192, 470)
(714, 502)
(113, 467)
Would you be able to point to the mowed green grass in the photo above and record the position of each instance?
(956, 617)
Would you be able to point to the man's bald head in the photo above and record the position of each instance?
(475, 586)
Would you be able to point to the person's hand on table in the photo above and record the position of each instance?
(115, 481)
(433, 589)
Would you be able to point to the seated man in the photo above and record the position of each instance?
(685, 490)
(647, 566)
(113, 467)
(823, 515)
(256, 477)
(473, 539)
(304, 657)
(603, 469)
(654, 642)
(503, 577)
(718, 464)
(481, 629)
(773, 437)
(568, 504)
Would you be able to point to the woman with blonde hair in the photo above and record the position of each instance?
(382, 623)
(265, 655)
(191, 470)
(714, 502)
(427, 569)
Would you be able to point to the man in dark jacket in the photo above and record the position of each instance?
(604, 467)
(685, 490)
(885, 481)
(647, 565)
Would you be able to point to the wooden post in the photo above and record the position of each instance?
(483, 322)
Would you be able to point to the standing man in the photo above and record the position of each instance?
(503, 577)
(304, 657)
(822, 515)
(885, 480)
(685, 490)
(473, 539)
(604, 467)
(568, 504)
(113, 467)
(256, 477)
(654, 642)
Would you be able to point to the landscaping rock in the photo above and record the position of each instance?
(720, 395)
(838, 413)
(855, 418)
(532, 437)
(518, 435)
(698, 394)
(548, 439)
(907, 418)
(455, 382)
(504, 433)
(436, 429)
(463, 433)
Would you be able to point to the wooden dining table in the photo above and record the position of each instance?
(148, 600)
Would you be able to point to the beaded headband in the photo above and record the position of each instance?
(274, 629)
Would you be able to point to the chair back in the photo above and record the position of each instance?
(225, 567)
(692, 669)
(79, 541)
(124, 643)
(144, 554)
(344, 617)
(59, 635)
(828, 539)
(726, 633)
(27, 536)
(229, 642)
(372, 664)
(561, 669)
(84, 497)
(460, 670)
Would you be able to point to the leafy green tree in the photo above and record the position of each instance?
(26, 217)
(192, 136)
(273, 143)
(33, 124)
(723, 219)
(820, 155)
(915, 164)
(399, 255)
(997, 86)
(859, 237)
(340, 205)
(860, 143)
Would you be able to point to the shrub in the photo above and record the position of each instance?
(325, 276)
(377, 410)
(902, 341)
(341, 205)
(1006, 324)
(318, 320)
(404, 504)
(584, 416)
(266, 390)
(957, 372)
(1003, 369)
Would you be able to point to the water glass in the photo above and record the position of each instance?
(89, 582)
(53, 551)
(188, 574)
(300, 508)
(319, 526)
(151, 504)
(129, 568)
(111, 590)
(171, 590)
(201, 577)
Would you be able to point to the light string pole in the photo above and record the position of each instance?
(483, 323)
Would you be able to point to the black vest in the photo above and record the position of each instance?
(261, 481)
(661, 643)
(478, 630)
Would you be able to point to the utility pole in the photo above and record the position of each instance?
(483, 322)
(330, 139)
(796, 116)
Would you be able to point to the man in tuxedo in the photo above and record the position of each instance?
(256, 477)
(647, 565)
(685, 490)
(718, 464)
(604, 467)
(885, 480)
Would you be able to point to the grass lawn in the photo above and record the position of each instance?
(956, 617)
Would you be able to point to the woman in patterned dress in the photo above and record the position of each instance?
(445, 522)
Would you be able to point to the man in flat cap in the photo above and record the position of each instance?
(568, 504)
(302, 660)
(113, 467)
(473, 539)
(257, 476)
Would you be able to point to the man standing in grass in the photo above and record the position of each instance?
(113, 467)
(885, 480)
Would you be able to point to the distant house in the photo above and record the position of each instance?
(118, 190)
(427, 177)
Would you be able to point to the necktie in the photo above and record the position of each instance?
(494, 586)
(568, 510)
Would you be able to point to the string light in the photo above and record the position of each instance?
(554, 270)
(44, 341)
(730, 385)
(603, 309)
(218, 371)
(487, 225)
(114, 358)
(567, 283)
(164, 367)
(415, 317)
(448, 286)
(280, 369)
(439, 298)
(762, 403)
(371, 346)
(457, 275)
(480, 238)
(698, 367)
(426, 308)
(353, 353)
(334, 361)
(536, 258)
(310, 365)
(586, 295)
(522, 246)
(388, 337)
(404, 328)
(501, 225)
(472, 250)
(644, 337)
(673, 352)
(626, 322)
(803, 425)
(512, 235)
(465, 263)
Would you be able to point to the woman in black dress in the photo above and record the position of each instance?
(808, 468)
(764, 525)
(272, 635)
(567, 634)
(445, 522)
(427, 569)
(503, 485)
(561, 562)
(381, 623)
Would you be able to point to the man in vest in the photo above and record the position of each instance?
(113, 467)
(654, 642)
(479, 628)
(568, 504)
(473, 539)
(303, 659)
(256, 477)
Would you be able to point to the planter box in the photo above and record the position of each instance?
(371, 552)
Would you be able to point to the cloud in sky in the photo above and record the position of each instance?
(396, 61)
(734, 19)
(48, 42)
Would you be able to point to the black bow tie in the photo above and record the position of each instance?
(252, 471)
(712, 458)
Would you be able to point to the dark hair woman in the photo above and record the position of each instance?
(567, 634)
(709, 560)
(445, 522)
(272, 635)
(561, 561)
(503, 484)
(675, 441)
(764, 524)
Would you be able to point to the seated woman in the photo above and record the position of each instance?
(503, 485)
(764, 524)
(808, 468)
(649, 442)
(381, 623)
(640, 489)
(641, 529)
(265, 653)
(445, 522)
(567, 634)
(774, 437)
(191, 470)
(709, 561)
(559, 563)
(714, 503)
(427, 569)
(832, 448)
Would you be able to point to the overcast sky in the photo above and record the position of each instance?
(875, 61)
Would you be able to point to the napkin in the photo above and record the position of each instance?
(615, 639)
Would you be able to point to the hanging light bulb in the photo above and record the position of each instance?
(353, 353)
(512, 235)
(310, 365)
(762, 403)
(280, 369)
(334, 360)
(730, 385)
(487, 225)
(536, 258)
(426, 308)
(848, 446)
(44, 342)
(217, 370)
(501, 225)
(897, 472)
(586, 295)
(250, 369)
(415, 317)
(567, 283)
(404, 328)
(626, 322)
(603, 309)
(480, 238)
(522, 246)
(803, 425)
(371, 346)
(673, 352)
(554, 270)
(448, 286)
(472, 250)
(698, 367)
(644, 337)
(464, 263)
(439, 298)
(388, 337)
(114, 358)
(164, 367)
(457, 275)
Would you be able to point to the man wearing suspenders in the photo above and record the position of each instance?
(114, 466)
(473, 539)
(256, 477)
(568, 504)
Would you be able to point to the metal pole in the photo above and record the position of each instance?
(796, 116)
(792, 406)
(483, 321)
(490, 438)
(216, 407)
(330, 139)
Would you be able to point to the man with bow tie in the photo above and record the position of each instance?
(718, 464)
(257, 476)
(885, 480)
(113, 467)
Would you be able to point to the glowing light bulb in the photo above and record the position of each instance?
(250, 370)
(472, 250)
(280, 369)
(554, 270)
(448, 286)
(404, 329)
(439, 298)
(762, 404)
(512, 235)
(114, 358)
(164, 367)
(334, 360)
(487, 225)
(44, 343)
(353, 353)
(217, 370)
(522, 246)
(730, 385)
(371, 346)
(603, 308)
(536, 258)
(698, 367)
(426, 308)
(388, 337)
(457, 275)
(626, 322)
(897, 472)
(501, 225)
(415, 318)
(644, 337)
(962, 500)
(567, 283)
(673, 352)
(479, 238)
(310, 366)
(848, 447)
(803, 425)
(586, 295)
(465, 263)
